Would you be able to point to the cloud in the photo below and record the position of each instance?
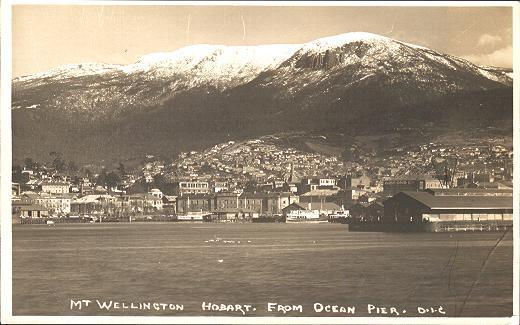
(489, 40)
(499, 58)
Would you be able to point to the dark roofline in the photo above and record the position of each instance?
(298, 204)
(376, 203)
(251, 195)
(195, 196)
(324, 205)
(470, 190)
(31, 207)
(448, 202)
(233, 210)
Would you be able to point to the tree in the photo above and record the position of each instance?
(121, 169)
(58, 163)
(72, 167)
(89, 174)
(445, 170)
(17, 176)
(159, 180)
(250, 186)
(29, 163)
(112, 179)
(102, 178)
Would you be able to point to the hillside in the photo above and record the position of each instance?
(195, 97)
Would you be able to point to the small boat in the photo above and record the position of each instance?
(340, 217)
(306, 219)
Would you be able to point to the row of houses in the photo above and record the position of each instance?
(155, 201)
(44, 204)
(462, 208)
(259, 203)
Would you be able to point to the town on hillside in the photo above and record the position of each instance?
(429, 186)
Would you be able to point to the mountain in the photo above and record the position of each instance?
(200, 95)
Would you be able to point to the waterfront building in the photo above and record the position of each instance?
(55, 188)
(194, 203)
(418, 207)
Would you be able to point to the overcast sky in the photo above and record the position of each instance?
(48, 36)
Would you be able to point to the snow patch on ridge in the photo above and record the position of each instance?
(72, 70)
(220, 63)
(336, 41)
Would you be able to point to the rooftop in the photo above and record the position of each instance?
(55, 184)
(470, 191)
(93, 198)
(232, 210)
(414, 177)
(251, 195)
(313, 206)
(194, 196)
(31, 207)
(460, 202)
(322, 192)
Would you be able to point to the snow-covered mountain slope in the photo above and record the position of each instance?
(204, 65)
(202, 92)
(108, 89)
(336, 80)
(69, 71)
(216, 65)
(379, 54)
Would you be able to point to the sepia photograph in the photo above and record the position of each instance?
(271, 162)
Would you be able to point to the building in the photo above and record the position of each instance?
(154, 200)
(30, 211)
(32, 185)
(276, 201)
(227, 199)
(492, 185)
(170, 203)
(233, 214)
(310, 184)
(471, 192)
(56, 204)
(156, 193)
(368, 197)
(138, 203)
(278, 183)
(409, 183)
(97, 203)
(55, 188)
(194, 203)
(220, 186)
(358, 211)
(325, 181)
(419, 207)
(15, 189)
(367, 212)
(319, 195)
(253, 201)
(351, 195)
(350, 181)
(194, 187)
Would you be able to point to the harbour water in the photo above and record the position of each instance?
(192, 264)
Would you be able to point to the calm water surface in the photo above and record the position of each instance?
(468, 274)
